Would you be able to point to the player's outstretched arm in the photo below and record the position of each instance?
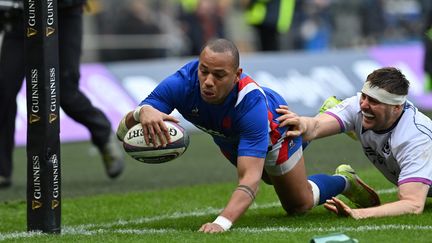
(412, 198)
(249, 173)
(310, 128)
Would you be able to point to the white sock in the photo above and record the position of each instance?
(315, 192)
(347, 185)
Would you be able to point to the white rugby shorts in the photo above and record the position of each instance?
(283, 156)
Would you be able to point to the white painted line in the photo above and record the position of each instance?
(387, 191)
(149, 231)
(92, 229)
(337, 229)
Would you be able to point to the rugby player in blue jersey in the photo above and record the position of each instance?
(216, 96)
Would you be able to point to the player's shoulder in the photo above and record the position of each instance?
(353, 101)
(191, 64)
(413, 117)
(247, 82)
(187, 74)
(189, 70)
(248, 90)
(414, 124)
(349, 107)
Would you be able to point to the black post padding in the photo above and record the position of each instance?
(43, 141)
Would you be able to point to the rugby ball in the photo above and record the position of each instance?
(135, 146)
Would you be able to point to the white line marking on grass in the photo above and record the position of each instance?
(92, 229)
(18, 235)
(142, 220)
(387, 191)
(176, 215)
(335, 229)
(148, 231)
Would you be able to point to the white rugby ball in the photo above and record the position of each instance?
(135, 146)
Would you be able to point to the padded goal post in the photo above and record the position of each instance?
(43, 141)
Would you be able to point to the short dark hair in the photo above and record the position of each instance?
(390, 79)
(224, 45)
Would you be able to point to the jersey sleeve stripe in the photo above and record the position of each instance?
(274, 133)
(247, 85)
(338, 119)
(415, 179)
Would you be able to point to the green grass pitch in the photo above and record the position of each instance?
(169, 202)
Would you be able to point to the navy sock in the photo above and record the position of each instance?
(328, 185)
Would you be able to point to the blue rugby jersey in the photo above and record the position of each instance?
(243, 125)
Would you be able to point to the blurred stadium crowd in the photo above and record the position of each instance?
(143, 29)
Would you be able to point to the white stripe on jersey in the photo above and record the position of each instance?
(246, 89)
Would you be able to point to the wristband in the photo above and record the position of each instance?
(122, 129)
(223, 222)
(136, 114)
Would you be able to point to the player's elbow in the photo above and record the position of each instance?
(416, 207)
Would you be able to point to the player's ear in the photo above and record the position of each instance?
(398, 108)
(238, 74)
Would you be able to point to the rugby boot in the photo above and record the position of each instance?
(358, 192)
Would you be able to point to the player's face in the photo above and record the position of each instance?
(217, 75)
(378, 116)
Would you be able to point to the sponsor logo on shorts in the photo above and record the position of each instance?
(291, 144)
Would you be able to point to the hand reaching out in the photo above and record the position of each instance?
(154, 129)
(291, 119)
(338, 207)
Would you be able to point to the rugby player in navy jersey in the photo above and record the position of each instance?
(216, 96)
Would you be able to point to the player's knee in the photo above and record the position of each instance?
(295, 209)
(301, 203)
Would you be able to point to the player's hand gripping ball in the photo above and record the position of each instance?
(135, 146)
